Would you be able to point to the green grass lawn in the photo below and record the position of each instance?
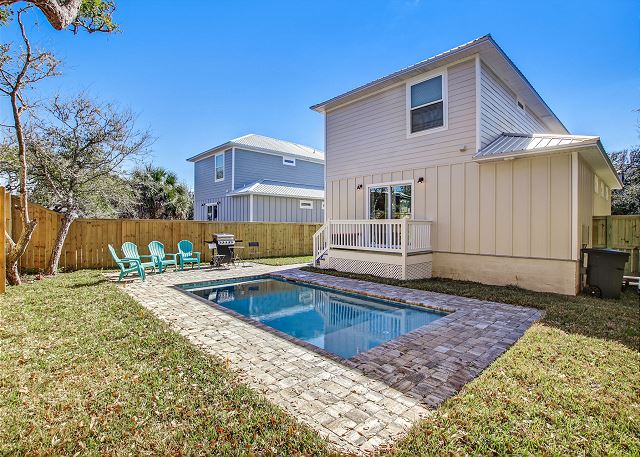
(85, 369)
(280, 261)
(569, 386)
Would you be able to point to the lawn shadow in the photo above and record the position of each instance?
(87, 283)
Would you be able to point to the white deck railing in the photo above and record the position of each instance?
(402, 236)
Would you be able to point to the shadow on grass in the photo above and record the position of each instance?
(88, 283)
(617, 320)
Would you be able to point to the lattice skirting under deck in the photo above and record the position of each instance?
(385, 270)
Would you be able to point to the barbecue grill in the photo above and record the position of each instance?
(224, 244)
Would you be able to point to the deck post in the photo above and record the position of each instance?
(404, 246)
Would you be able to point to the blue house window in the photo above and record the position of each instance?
(219, 172)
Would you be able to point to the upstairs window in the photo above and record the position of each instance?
(289, 162)
(427, 105)
(219, 164)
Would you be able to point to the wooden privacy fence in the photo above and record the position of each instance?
(86, 244)
(619, 232)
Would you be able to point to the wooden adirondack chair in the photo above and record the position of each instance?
(130, 251)
(185, 251)
(126, 265)
(162, 259)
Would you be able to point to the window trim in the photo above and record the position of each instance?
(309, 204)
(391, 184)
(206, 211)
(291, 159)
(445, 102)
(215, 166)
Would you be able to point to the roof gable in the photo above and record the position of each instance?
(261, 143)
(490, 53)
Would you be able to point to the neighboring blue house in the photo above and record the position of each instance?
(256, 178)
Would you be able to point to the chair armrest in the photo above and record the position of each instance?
(130, 260)
(147, 255)
(172, 255)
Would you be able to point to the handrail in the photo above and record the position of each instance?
(320, 243)
(387, 235)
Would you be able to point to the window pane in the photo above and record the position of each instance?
(427, 117)
(401, 201)
(378, 202)
(220, 166)
(426, 92)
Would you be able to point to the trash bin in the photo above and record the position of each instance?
(605, 269)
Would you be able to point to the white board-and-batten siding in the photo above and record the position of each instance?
(518, 208)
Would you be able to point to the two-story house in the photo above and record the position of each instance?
(255, 178)
(455, 167)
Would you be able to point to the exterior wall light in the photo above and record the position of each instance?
(420, 180)
(359, 187)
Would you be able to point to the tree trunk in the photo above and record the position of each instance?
(17, 250)
(28, 226)
(52, 267)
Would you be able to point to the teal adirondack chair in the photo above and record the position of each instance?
(126, 265)
(185, 251)
(130, 251)
(162, 259)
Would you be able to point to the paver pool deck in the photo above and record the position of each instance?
(358, 404)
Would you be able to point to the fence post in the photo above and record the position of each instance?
(3, 242)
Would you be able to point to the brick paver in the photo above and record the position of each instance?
(357, 404)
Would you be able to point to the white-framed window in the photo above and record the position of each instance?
(219, 166)
(306, 204)
(427, 104)
(212, 211)
(289, 161)
(520, 104)
(390, 200)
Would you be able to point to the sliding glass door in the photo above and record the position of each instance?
(390, 201)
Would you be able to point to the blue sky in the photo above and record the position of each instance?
(200, 76)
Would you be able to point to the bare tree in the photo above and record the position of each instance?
(19, 72)
(89, 15)
(23, 68)
(77, 157)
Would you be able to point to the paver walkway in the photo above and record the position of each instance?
(359, 404)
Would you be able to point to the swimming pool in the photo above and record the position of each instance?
(341, 323)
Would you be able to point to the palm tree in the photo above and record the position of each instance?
(159, 195)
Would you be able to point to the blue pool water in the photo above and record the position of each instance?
(343, 324)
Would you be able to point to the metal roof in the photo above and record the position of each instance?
(267, 144)
(489, 51)
(517, 145)
(521, 143)
(281, 189)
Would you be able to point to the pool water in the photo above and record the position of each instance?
(340, 323)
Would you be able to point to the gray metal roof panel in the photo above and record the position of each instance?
(514, 143)
(281, 189)
(268, 144)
